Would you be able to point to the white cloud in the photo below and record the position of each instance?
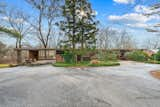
(135, 19)
(131, 17)
(143, 9)
(18, 20)
(124, 1)
(138, 25)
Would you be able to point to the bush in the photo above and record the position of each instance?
(68, 57)
(158, 56)
(137, 56)
(107, 56)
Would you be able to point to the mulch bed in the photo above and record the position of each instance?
(156, 74)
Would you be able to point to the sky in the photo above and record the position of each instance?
(118, 14)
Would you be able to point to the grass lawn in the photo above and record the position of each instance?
(103, 63)
(4, 65)
(86, 64)
(153, 62)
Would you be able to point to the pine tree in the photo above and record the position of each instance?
(69, 23)
(86, 24)
(79, 24)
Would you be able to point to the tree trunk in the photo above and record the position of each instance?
(19, 57)
(19, 52)
(45, 52)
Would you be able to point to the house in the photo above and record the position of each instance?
(35, 54)
(150, 52)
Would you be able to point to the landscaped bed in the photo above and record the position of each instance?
(156, 74)
(87, 64)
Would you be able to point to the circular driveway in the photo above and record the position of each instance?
(128, 85)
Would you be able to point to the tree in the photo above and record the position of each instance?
(151, 43)
(105, 38)
(86, 24)
(111, 38)
(154, 10)
(17, 35)
(69, 24)
(124, 41)
(11, 32)
(78, 25)
(15, 19)
(44, 22)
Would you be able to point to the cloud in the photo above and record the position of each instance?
(18, 20)
(124, 1)
(135, 19)
(131, 17)
(138, 25)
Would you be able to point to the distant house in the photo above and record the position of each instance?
(150, 52)
(35, 54)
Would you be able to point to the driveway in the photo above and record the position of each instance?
(128, 85)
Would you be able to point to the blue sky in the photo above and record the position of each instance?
(120, 14)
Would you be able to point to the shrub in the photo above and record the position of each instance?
(94, 62)
(156, 56)
(68, 57)
(107, 56)
(137, 56)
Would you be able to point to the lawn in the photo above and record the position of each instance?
(86, 64)
(153, 62)
(4, 65)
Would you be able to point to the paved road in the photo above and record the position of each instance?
(128, 85)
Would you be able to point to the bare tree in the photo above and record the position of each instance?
(151, 43)
(124, 40)
(13, 23)
(105, 38)
(112, 38)
(15, 20)
(43, 23)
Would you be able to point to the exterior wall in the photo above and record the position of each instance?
(50, 54)
(25, 56)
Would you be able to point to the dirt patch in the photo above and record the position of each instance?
(156, 74)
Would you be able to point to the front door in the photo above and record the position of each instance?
(33, 55)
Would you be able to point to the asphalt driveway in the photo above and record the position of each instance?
(128, 85)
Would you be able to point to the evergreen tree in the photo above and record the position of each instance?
(69, 23)
(79, 24)
(86, 24)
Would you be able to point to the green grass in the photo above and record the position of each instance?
(105, 64)
(153, 62)
(86, 64)
(58, 64)
(4, 65)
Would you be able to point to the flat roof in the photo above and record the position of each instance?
(34, 49)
